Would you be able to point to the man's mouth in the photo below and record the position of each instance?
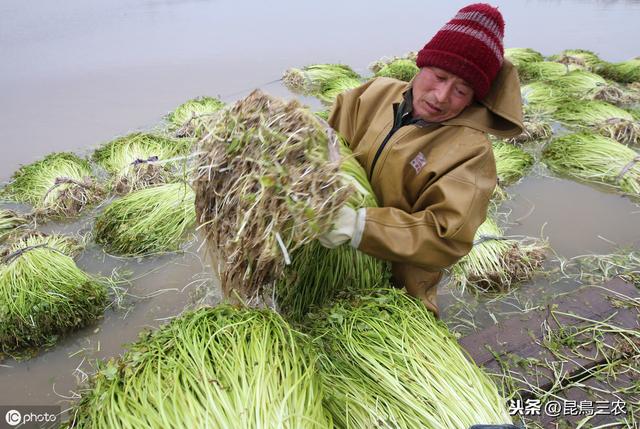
(432, 108)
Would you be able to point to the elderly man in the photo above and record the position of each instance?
(425, 149)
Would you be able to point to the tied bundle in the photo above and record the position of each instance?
(387, 362)
(324, 81)
(60, 185)
(43, 293)
(220, 367)
(9, 222)
(187, 119)
(151, 220)
(268, 183)
(596, 159)
(138, 160)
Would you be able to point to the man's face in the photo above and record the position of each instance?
(439, 95)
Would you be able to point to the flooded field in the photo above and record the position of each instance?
(77, 74)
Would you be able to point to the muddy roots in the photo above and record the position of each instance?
(266, 185)
(68, 197)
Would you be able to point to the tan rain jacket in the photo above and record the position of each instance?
(433, 182)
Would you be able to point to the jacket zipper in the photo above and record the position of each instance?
(397, 124)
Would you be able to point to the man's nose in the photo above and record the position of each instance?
(443, 91)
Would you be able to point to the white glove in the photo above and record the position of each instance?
(347, 226)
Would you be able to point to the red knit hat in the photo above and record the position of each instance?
(469, 46)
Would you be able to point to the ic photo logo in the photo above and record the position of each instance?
(30, 416)
(13, 417)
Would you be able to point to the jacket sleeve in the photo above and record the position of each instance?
(441, 227)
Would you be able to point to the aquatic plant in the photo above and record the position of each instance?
(401, 69)
(625, 71)
(186, 120)
(496, 262)
(387, 362)
(518, 56)
(43, 293)
(580, 58)
(147, 221)
(512, 163)
(268, 183)
(221, 367)
(596, 159)
(138, 160)
(378, 65)
(605, 118)
(317, 274)
(541, 70)
(9, 222)
(60, 185)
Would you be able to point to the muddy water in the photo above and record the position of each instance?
(75, 74)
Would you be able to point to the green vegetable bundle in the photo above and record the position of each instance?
(605, 118)
(9, 222)
(519, 56)
(512, 163)
(324, 81)
(378, 65)
(268, 183)
(541, 98)
(136, 160)
(151, 220)
(187, 118)
(317, 274)
(43, 293)
(220, 367)
(496, 263)
(590, 86)
(580, 58)
(60, 185)
(401, 69)
(625, 72)
(386, 362)
(597, 159)
(542, 70)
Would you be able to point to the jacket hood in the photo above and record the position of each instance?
(500, 112)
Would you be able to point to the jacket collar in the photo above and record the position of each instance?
(499, 113)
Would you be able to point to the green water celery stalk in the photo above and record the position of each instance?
(497, 263)
(518, 56)
(605, 118)
(317, 274)
(332, 88)
(590, 86)
(401, 69)
(60, 185)
(268, 183)
(9, 222)
(378, 65)
(313, 79)
(580, 58)
(147, 221)
(625, 72)
(136, 160)
(222, 367)
(386, 362)
(186, 119)
(596, 159)
(512, 163)
(542, 70)
(43, 293)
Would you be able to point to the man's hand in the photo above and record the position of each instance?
(348, 226)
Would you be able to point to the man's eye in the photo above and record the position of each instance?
(440, 77)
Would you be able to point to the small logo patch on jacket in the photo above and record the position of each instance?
(418, 162)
